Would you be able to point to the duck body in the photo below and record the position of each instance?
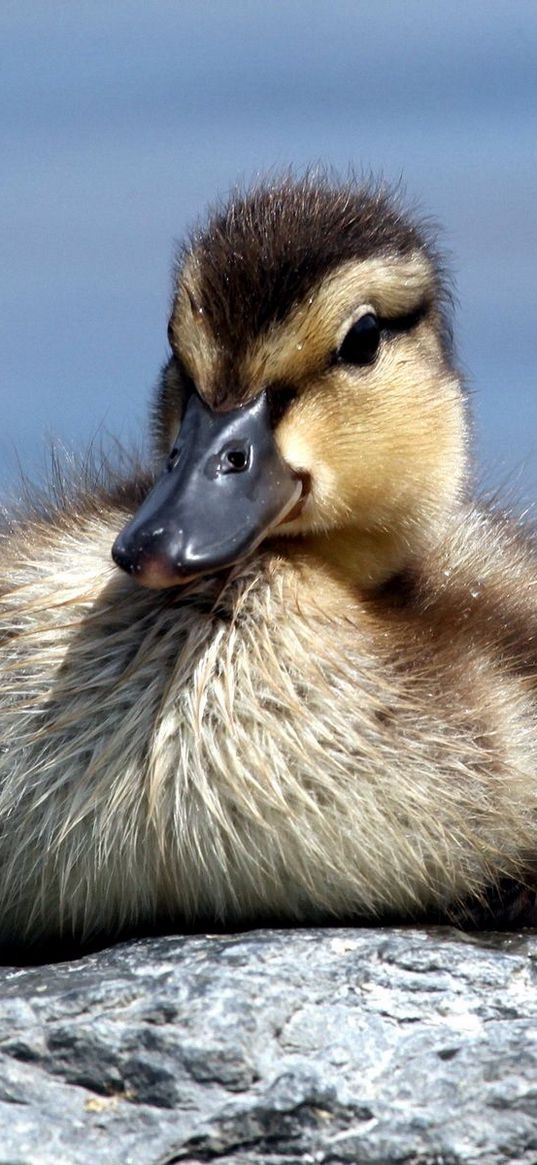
(278, 746)
(331, 727)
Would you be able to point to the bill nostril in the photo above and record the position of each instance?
(231, 458)
(236, 459)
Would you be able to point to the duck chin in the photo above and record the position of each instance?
(364, 559)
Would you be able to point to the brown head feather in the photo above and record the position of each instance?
(261, 254)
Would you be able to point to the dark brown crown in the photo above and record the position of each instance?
(265, 250)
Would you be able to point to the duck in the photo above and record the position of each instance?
(287, 670)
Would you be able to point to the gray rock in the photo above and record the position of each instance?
(281, 1047)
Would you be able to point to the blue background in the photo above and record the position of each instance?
(121, 121)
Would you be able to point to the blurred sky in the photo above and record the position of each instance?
(121, 121)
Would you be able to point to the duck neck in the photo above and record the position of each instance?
(363, 559)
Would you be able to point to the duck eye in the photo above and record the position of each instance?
(361, 342)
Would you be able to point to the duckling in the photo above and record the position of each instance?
(303, 688)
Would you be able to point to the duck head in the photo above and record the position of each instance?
(311, 392)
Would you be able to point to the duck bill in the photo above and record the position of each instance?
(225, 487)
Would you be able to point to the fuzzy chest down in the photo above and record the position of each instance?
(222, 755)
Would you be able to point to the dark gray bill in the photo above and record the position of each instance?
(224, 487)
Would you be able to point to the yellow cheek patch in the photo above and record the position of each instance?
(379, 448)
(309, 439)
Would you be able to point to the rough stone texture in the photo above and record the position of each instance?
(281, 1047)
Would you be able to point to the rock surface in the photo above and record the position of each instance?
(281, 1047)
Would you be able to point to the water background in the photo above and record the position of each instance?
(120, 122)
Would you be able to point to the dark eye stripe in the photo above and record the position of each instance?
(404, 323)
(279, 398)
